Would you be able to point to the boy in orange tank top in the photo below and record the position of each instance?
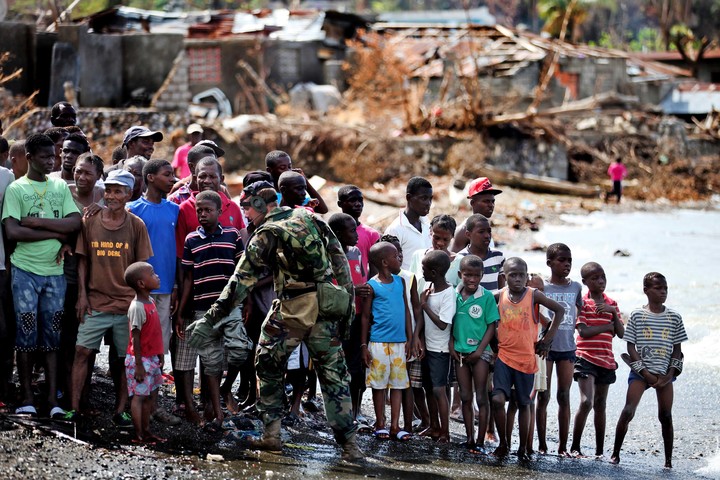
(517, 344)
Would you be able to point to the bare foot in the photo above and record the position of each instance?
(615, 459)
(668, 463)
(523, 456)
(193, 417)
(443, 439)
(491, 437)
(564, 454)
(542, 449)
(576, 453)
(501, 451)
(154, 438)
(231, 403)
(429, 432)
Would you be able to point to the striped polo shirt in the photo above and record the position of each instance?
(654, 335)
(212, 259)
(492, 267)
(598, 348)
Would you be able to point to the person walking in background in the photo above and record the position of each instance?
(617, 172)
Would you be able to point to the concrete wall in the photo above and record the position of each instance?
(101, 70)
(147, 59)
(19, 39)
(596, 75)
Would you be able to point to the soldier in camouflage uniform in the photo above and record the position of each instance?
(301, 251)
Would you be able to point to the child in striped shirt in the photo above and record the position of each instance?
(653, 334)
(598, 322)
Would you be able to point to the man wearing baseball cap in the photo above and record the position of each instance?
(140, 140)
(482, 200)
(194, 134)
(108, 243)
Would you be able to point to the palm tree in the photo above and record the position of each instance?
(553, 13)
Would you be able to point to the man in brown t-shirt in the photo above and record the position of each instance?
(108, 243)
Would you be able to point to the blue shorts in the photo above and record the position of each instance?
(39, 302)
(436, 369)
(505, 378)
(634, 376)
(560, 356)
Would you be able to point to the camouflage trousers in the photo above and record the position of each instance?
(281, 334)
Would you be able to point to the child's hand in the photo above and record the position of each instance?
(139, 371)
(366, 357)
(604, 308)
(409, 350)
(161, 359)
(180, 327)
(423, 297)
(662, 380)
(542, 347)
(419, 347)
(454, 354)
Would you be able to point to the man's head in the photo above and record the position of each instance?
(119, 153)
(4, 151)
(482, 196)
(135, 166)
(73, 146)
(158, 174)
(209, 174)
(194, 133)
(18, 159)
(58, 135)
(140, 141)
(208, 207)
(351, 201)
(118, 189)
(344, 227)
(197, 153)
(419, 195)
(40, 153)
(293, 188)
(219, 152)
(277, 162)
(63, 114)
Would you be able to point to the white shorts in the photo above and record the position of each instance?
(387, 368)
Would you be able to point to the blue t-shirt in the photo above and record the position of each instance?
(160, 220)
(570, 297)
(388, 311)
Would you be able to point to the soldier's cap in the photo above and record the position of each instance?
(482, 185)
(141, 132)
(120, 177)
(219, 152)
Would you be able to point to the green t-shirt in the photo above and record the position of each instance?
(472, 317)
(27, 198)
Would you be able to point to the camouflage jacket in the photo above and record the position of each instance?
(296, 246)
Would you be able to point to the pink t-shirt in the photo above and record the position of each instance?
(617, 171)
(367, 237)
(180, 160)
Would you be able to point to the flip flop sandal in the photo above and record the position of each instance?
(57, 413)
(402, 436)
(4, 408)
(26, 410)
(382, 434)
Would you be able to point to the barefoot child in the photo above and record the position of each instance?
(562, 352)
(414, 397)
(653, 334)
(516, 363)
(438, 305)
(209, 259)
(145, 351)
(385, 343)
(598, 322)
(473, 327)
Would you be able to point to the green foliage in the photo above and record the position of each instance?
(647, 40)
(380, 6)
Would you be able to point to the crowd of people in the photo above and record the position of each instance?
(155, 258)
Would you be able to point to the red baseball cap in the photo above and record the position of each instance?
(482, 185)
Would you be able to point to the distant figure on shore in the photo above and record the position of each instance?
(617, 172)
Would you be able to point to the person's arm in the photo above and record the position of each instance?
(650, 379)
(559, 313)
(19, 233)
(418, 336)
(410, 346)
(83, 304)
(365, 329)
(185, 297)
(586, 331)
(321, 207)
(428, 311)
(71, 223)
(672, 371)
(139, 367)
(460, 240)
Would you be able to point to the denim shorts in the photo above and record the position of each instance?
(39, 304)
(561, 356)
